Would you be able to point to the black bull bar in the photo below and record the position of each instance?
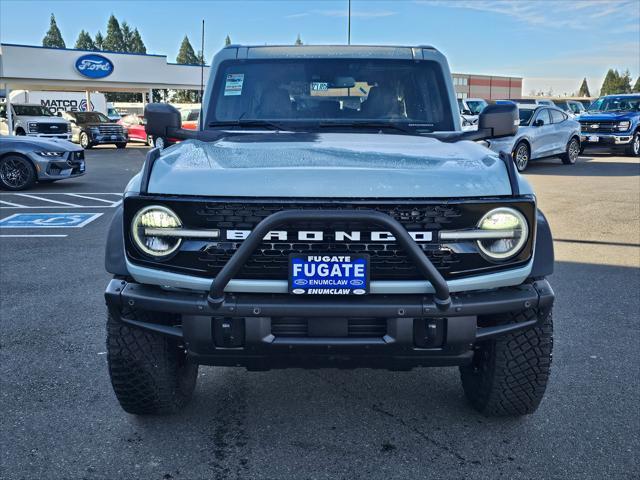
(216, 297)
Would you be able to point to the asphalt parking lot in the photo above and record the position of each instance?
(60, 419)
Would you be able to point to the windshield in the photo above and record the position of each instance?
(525, 115)
(32, 110)
(616, 104)
(91, 117)
(335, 92)
(476, 106)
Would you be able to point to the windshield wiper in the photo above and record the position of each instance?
(249, 124)
(376, 125)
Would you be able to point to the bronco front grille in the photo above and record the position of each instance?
(388, 261)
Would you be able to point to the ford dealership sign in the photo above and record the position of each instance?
(94, 66)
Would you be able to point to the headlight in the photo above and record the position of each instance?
(624, 126)
(95, 130)
(33, 127)
(51, 154)
(514, 233)
(155, 217)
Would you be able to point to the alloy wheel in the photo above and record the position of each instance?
(574, 151)
(14, 173)
(636, 144)
(522, 157)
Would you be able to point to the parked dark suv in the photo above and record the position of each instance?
(94, 128)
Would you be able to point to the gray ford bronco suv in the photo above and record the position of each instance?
(329, 212)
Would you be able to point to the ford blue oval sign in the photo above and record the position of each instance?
(94, 66)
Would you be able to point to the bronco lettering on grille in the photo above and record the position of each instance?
(319, 236)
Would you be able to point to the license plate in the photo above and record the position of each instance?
(336, 274)
(593, 138)
(113, 137)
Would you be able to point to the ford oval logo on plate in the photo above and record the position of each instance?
(94, 66)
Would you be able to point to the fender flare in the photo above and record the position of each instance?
(543, 259)
(114, 256)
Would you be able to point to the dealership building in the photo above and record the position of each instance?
(33, 68)
(489, 87)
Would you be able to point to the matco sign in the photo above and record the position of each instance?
(94, 66)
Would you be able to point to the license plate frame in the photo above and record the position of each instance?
(300, 283)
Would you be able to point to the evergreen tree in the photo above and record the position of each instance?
(137, 45)
(99, 42)
(127, 37)
(611, 82)
(53, 38)
(84, 41)
(299, 40)
(113, 42)
(624, 84)
(584, 89)
(186, 54)
(636, 87)
(227, 41)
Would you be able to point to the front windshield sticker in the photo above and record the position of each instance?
(233, 85)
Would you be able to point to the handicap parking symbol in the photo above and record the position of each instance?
(48, 220)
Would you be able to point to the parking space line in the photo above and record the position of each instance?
(33, 236)
(13, 205)
(92, 198)
(46, 199)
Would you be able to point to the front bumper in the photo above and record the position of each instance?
(63, 136)
(98, 139)
(588, 139)
(251, 330)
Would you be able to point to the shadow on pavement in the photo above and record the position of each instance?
(586, 166)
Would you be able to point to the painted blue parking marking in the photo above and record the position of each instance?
(48, 220)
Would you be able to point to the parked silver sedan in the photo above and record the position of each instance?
(544, 132)
(25, 160)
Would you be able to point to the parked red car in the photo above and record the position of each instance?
(135, 124)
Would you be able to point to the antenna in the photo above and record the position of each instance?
(202, 64)
(349, 27)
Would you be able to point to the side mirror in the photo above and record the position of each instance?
(161, 118)
(538, 123)
(501, 120)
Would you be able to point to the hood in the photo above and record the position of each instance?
(331, 165)
(42, 119)
(53, 144)
(608, 116)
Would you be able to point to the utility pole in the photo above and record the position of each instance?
(202, 64)
(349, 27)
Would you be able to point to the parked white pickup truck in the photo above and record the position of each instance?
(35, 121)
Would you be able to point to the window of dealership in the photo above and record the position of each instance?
(26, 67)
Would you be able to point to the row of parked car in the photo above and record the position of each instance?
(47, 148)
(87, 129)
(564, 128)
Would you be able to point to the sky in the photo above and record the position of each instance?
(553, 44)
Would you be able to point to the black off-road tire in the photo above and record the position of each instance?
(149, 372)
(509, 374)
(570, 156)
